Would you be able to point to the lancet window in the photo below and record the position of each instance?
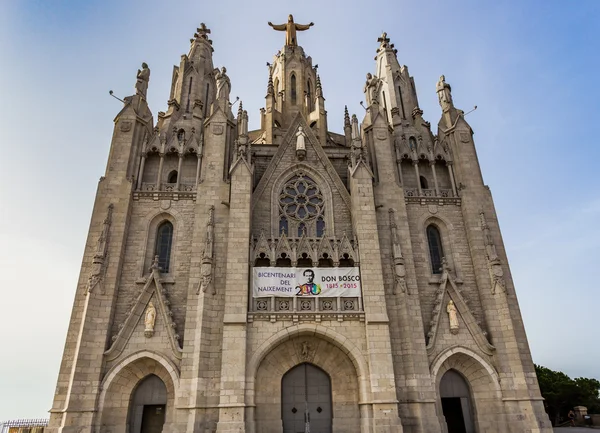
(436, 253)
(293, 88)
(164, 241)
(301, 207)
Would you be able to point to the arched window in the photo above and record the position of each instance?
(325, 261)
(262, 260)
(283, 261)
(302, 205)
(181, 136)
(277, 96)
(304, 261)
(293, 88)
(164, 241)
(346, 261)
(412, 143)
(436, 253)
(172, 177)
(309, 96)
(206, 99)
(423, 181)
(283, 226)
(301, 229)
(320, 226)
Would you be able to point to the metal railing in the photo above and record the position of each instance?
(34, 425)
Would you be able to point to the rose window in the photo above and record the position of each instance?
(300, 203)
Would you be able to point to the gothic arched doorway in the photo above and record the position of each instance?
(306, 400)
(148, 406)
(456, 403)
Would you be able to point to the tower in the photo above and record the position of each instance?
(290, 277)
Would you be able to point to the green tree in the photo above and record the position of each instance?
(561, 393)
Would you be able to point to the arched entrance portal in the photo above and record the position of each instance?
(456, 403)
(148, 406)
(306, 400)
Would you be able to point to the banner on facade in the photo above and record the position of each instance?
(323, 282)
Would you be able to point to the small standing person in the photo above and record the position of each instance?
(290, 28)
(571, 417)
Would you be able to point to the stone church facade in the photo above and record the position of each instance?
(187, 317)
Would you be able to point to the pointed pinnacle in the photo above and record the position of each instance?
(346, 116)
(240, 110)
(270, 89)
(319, 90)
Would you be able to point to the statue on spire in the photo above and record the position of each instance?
(371, 89)
(444, 90)
(223, 83)
(290, 28)
(143, 77)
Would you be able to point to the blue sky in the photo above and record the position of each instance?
(530, 67)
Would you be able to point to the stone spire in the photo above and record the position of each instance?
(396, 83)
(319, 90)
(347, 127)
(270, 88)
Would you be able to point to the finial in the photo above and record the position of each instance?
(240, 110)
(384, 42)
(346, 117)
(202, 32)
(270, 88)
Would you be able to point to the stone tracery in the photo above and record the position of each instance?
(301, 205)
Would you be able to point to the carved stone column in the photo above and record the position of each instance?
(416, 165)
(160, 169)
(435, 181)
(452, 181)
(141, 172)
(179, 164)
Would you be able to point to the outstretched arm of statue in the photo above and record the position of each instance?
(278, 26)
(301, 27)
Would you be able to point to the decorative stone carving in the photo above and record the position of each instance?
(371, 89)
(223, 83)
(306, 351)
(149, 320)
(125, 125)
(300, 143)
(141, 84)
(206, 268)
(397, 258)
(495, 266)
(218, 129)
(453, 317)
(97, 273)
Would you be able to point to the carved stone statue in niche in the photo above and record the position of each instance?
(300, 143)
(453, 317)
(149, 320)
(143, 77)
(494, 264)
(206, 267)
(398, 259)
(101, 250)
